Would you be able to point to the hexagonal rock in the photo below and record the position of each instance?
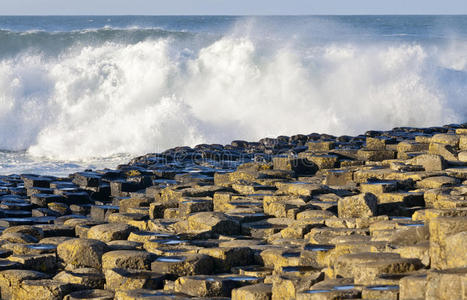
(280, 257)
(411, 146)
(447, 139)
(379, 187)
(446, 284)
(328, 293)
(224, 258)
(321, 145)
(100, 213)
(18, 237)
(188, 264)
(82, 252)
(215, 222)
(430, 162)
(127, 279)
(367, 272)
(412, 287)
(436, 182)
(189, 205)
(126, 218)
(44, 289)
(82, 278)
(446, 151)
(338, 177)
(258, 291)
(440, 228)
(127, 259)
(456, 254)
(27, 229)
(375, 155)
(409, 234)
(312, 213)
(324, 161)
(55, 240)
(10, 280)
(42, 262)
(278, 206)
(298, 165)
(298, 188)
(348, 265)
(123, 245)
(148, 294)
(463, 142)
(110, 232)
(204, 286)
(462, 156)
(126, 204)
(288, 287)
(95, 294)
(359, 206)
(387, 292)
(35, 181)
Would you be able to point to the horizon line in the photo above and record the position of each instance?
(222, 15)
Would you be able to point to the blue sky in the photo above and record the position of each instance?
(230, 7)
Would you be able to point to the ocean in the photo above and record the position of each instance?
(80, 92)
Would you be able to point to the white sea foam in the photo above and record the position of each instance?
(101, 100)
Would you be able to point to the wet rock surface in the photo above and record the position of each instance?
(382, 215)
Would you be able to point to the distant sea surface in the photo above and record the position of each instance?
(82, 92)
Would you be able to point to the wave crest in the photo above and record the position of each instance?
(99, 100)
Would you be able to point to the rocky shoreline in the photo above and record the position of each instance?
(382, 215)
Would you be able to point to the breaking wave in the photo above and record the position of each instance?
(86, 96)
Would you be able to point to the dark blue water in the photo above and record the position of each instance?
(425, 27)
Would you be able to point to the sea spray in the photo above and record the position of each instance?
(102, 94)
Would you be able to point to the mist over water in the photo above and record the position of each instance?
(77, 94)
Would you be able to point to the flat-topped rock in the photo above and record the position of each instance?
(10, 280)
(82, 278)
(213, 221)
(42, 289)
(127, 259)
(82, 252)
(130, 279)
(97, 294)
(110, 232)
(362, 205)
